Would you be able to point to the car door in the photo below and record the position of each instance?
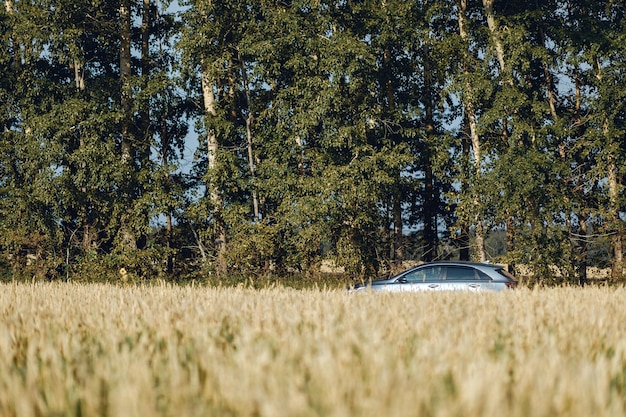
(465, 278)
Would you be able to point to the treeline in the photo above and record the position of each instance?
(364, 132)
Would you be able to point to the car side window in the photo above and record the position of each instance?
(428, 274)
(461, 273)
(482, 276)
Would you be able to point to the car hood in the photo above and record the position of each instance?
(374, 283)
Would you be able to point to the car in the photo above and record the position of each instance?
(445, 276)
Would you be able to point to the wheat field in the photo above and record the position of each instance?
(108, 350)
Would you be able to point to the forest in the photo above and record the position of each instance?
(257, 137)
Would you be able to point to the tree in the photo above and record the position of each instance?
(469, 101)
(369, 132)
(605, 57)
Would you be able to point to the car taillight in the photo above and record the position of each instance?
(511, 284)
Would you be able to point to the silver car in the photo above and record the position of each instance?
(445, 276)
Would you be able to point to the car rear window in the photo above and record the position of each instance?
(506, 274)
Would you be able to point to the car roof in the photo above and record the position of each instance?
(461, 263)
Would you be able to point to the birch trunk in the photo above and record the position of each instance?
(493, 29)
(499, 47)
(468, 101)
(617, 267)
(213, 188)
(79, 79)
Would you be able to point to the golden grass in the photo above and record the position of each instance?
(105, 350)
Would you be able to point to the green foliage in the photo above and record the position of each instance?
(338, 126)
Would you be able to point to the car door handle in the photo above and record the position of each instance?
(474, 285)
(433, 285)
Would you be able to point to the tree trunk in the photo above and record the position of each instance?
(499, 47)
(144, 113)
(430, 195)
(143, 136)
(464, 238)
(213, 187)
(145, 38)
(128, 240)
(495, 36)
(398, 253)
(79, 79)
(617, 266)
(468, 100)
(582, 217)
(578, 244)
(17, 59)
(616, 224)
(169, 263)
(510, 241)
(396, 204)
(125, 74)
(581, 265)
(429, 209)
(252, 161)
